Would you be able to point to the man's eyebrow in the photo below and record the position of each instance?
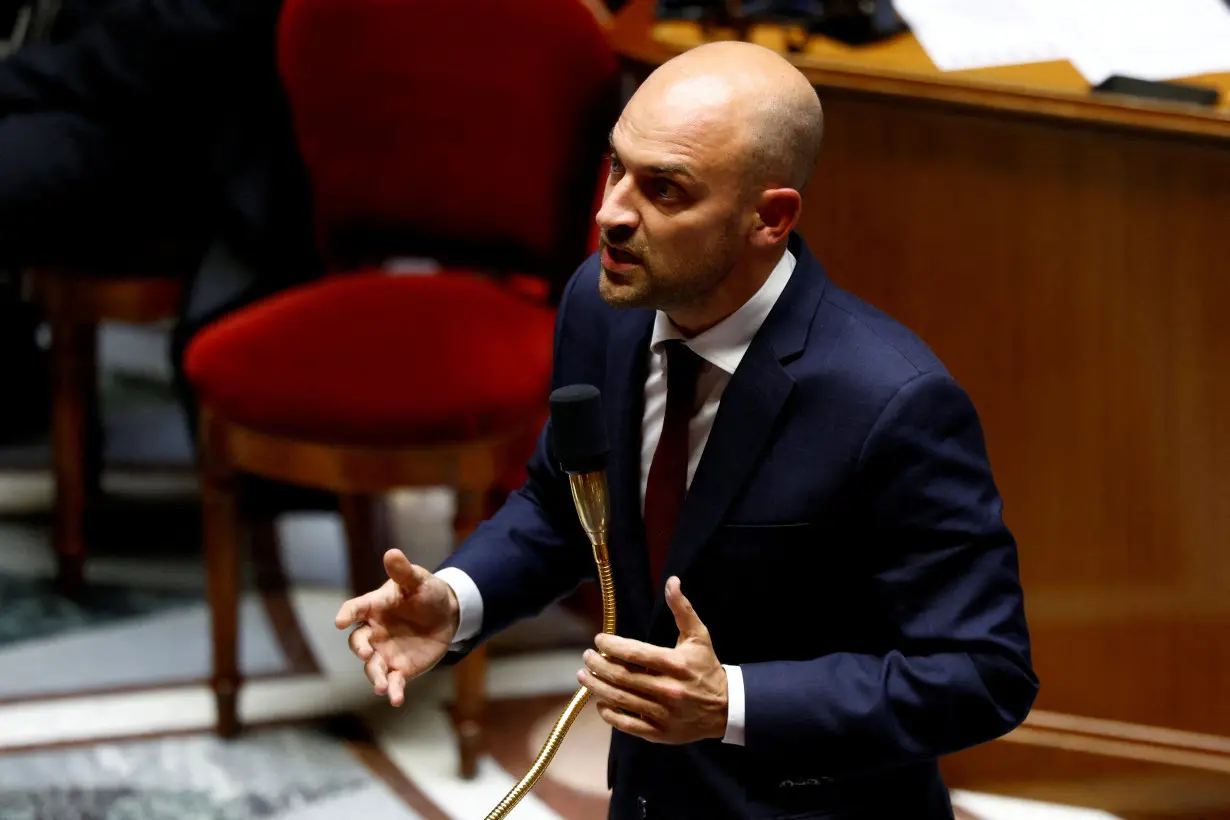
(677, 169)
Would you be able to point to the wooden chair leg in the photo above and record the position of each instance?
(470, 675)
(93, 442)
(367, 538)
(74, 443)
(266, 553)
(273, 586)
(222, 534)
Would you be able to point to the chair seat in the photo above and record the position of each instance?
(370, 358)
(97, 296)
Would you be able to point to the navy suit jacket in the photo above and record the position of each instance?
(842, 540)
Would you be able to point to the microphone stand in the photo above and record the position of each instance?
(589, 494)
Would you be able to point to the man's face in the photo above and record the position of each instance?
(672, 216)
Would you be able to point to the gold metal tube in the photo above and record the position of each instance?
(590, 496)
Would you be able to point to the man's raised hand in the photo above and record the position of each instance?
(404, 628)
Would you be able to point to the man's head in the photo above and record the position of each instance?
(707, 162)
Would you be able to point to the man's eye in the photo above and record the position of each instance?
(616, 166)
(664, 189)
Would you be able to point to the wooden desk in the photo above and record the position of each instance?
(1068, 256)
(900, 67)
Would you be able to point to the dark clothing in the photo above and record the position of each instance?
(74, 191)
(842, 540)
(147, 132)
(187, 88)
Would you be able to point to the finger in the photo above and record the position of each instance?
(361, 608)
(630, 724)
(615, 673)
(377, 673)
(656, 658)
(406, 575)
(397, 688)
(686, 619)
(361, 642)
(608, 695)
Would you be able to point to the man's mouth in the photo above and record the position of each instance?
(613, 257)
(621, 255)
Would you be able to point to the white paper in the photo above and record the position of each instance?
(964, 34)
(1147, 39)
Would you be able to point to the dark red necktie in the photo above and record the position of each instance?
(668, 473)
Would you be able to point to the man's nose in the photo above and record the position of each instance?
(617, 215)
(618, 234)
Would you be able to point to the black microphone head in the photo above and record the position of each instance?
(578, 429)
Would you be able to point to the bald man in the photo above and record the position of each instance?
(817, 595)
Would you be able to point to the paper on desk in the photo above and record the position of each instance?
(964, 34)
(1149, 39)
(1138, 38)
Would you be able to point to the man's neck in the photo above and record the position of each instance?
(726, 298)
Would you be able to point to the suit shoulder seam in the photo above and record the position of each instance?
(918, 371)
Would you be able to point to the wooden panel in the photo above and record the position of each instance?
(1074, 280)
(1143, 776)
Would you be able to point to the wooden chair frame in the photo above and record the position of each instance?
(356, 474)
(75, 303)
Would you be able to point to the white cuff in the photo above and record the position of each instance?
(736, 706)
(469, 599)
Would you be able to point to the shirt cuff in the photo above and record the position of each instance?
(469, 599)
(736, 706)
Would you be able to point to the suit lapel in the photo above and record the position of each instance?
(627, 369)
(747, 416)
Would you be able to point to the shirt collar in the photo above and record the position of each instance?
(724, 344)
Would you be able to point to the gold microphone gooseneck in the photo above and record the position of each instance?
(580, 445)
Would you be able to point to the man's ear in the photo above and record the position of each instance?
(777, 214)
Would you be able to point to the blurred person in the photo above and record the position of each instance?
(818, 596)
(150, 134)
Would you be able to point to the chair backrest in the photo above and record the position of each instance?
(468, 130)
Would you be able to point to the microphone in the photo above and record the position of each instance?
(578, 437)
(578, 430)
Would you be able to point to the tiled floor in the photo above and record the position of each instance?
(267, 773)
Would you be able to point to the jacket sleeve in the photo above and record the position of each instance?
(533, 551)
(946, 574)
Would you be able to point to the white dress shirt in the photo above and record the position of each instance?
(722, 348)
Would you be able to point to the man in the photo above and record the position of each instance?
(835, 601)
(147, 126)
(151, 98)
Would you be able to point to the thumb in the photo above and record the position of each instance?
(686, 619)
(403, 573)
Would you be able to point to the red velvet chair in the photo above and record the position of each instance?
(469, 133)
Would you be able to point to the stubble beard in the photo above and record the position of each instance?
(674, 291)
(633, 294)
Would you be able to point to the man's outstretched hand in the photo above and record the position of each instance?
(405, 626)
